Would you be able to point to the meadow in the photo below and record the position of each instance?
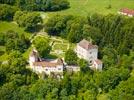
(6, 26)
(83, 7)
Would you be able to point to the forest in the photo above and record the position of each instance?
(114, 34)
(38, 5)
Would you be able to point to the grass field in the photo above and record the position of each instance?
(6, 26)
(83, 7)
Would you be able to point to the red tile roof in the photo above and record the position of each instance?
(59, 61)
(48, 63)
(127, 11)
(98, 61)
(44, 64)
(87, 45)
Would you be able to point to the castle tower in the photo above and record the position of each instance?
(89, 52)
(33, 57)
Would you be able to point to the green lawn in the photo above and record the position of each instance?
(6, 26)
(60, 47)
(83, 7)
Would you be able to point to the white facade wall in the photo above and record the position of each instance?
(32, 59)
(82, 53)
(130, 15)
(48, 70)
(122, 13)
(97, 66)
(89, 55)
(92, 54)
(59, 68)
(100, 67)
(73, 68)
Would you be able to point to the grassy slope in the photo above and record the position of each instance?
(83, 7)
(6, 26)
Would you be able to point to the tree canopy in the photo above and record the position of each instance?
(29, 20)
(71, 57)
(42, 46)
(38, 5)
(7, 12)
(12, 41)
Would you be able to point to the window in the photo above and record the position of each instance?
(59, 68)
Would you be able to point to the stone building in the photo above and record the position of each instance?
(47, 66)
(89, 52)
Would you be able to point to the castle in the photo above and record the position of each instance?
(84, 50)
